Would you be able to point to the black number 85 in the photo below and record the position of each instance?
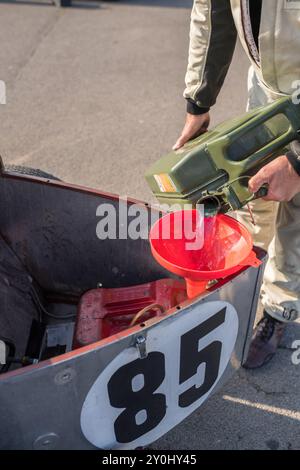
(152, 405)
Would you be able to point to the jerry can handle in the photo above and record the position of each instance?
(280, 140)
(271, 147)
(263, 113)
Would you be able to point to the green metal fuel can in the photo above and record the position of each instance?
(215, 168)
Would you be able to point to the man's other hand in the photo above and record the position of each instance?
(283, 181)
(195, 125)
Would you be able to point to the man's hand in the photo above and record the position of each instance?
(283, 181)
(195, 125)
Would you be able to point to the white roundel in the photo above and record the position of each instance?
(134, 401)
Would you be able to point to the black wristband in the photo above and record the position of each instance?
(193, 108)
(294, 160)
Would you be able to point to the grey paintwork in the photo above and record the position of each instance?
(40, 406)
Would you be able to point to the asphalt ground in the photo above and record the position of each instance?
(94, 95)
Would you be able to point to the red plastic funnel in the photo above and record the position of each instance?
(224, 249)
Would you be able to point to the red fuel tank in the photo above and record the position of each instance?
(105, 312)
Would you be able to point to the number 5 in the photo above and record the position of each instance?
(191, 358)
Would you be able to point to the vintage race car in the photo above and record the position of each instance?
(64, 384)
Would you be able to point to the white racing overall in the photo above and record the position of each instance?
(274, 71)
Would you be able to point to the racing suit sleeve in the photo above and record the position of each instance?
(293, 155)
(212, 42)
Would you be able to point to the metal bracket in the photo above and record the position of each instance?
(140, 344)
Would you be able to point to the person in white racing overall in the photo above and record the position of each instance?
(270, 34)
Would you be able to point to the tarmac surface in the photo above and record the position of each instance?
(94, 95)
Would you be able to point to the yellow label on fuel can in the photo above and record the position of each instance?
(165, 183)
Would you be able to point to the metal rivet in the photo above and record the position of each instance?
(65, 376)
(47, 441)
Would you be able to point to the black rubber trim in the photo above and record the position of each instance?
(193, 108)
(24, 170)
